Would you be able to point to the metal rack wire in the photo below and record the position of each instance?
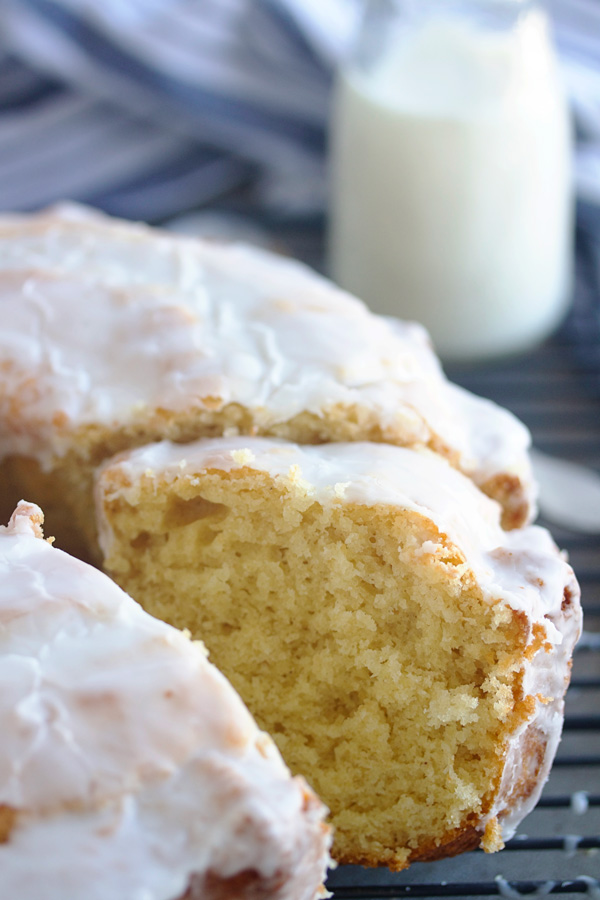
(558, 848)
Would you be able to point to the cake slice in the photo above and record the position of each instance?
(129, 767)
(116, 335)
(407, 654)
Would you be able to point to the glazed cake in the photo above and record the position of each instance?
(407, 654)
(116, 335)
(129, 767)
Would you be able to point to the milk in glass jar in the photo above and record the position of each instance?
(451, 177)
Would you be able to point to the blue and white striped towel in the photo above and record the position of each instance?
(147, 108)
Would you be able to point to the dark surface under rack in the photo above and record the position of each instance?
(557, 848)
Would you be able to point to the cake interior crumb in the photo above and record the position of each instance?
(382, 673)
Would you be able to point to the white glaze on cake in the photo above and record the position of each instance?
(522, 568)
(129, 760)
(107, 321)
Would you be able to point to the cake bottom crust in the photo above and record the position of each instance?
(246, 885)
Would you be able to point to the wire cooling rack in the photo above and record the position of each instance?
(556, 392)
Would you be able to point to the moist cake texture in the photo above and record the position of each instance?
(129, 767)
(407, 654)
(116, 335)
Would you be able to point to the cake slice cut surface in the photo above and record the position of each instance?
(129, 767)
(405, 652)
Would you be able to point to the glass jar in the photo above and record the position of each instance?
(451, 173)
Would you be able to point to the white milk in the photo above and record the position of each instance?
(451, 185)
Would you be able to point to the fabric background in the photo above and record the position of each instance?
(147, 108)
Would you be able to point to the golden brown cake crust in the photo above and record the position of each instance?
(246, 885)
(8, 818)
(508, 491)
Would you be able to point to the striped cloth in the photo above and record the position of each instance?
(147, 108)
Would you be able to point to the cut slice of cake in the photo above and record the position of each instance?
(115, 335)
(404, 651)
(129, 767)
